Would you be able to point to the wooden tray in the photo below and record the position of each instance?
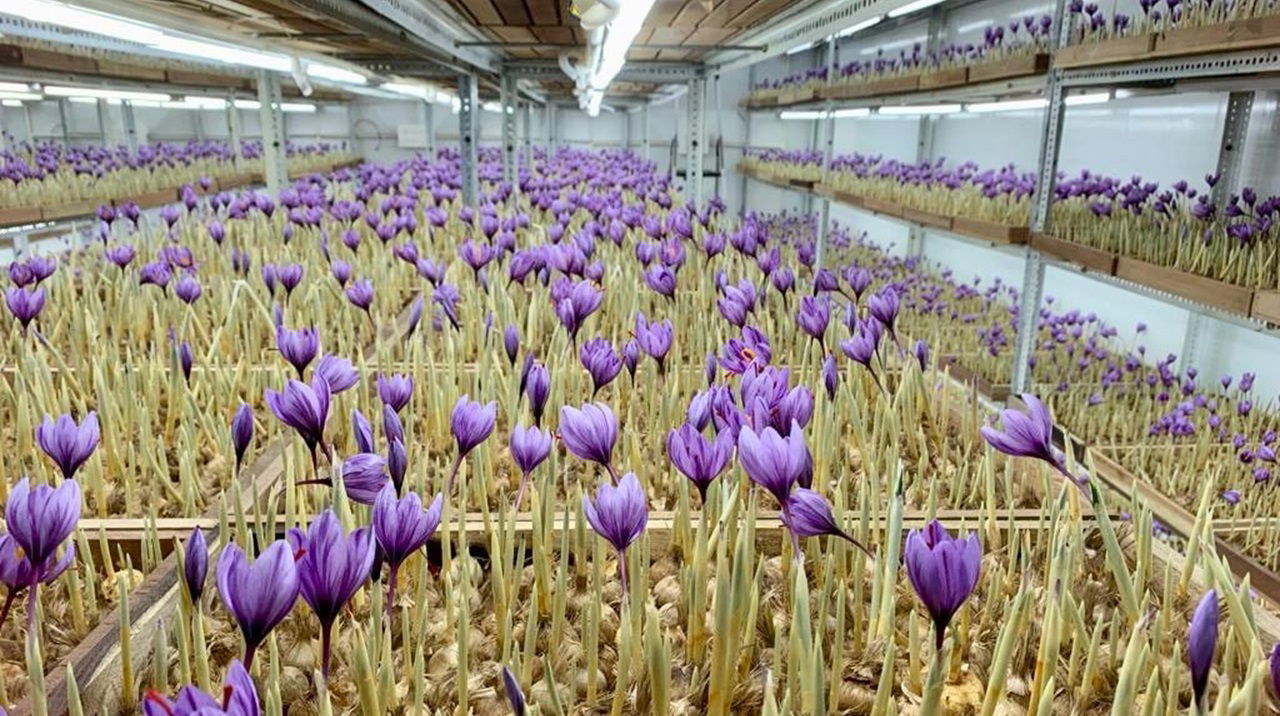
(1253, 33)
(66, 211)
(849, 198)
(1218, 294)
(205, 79)
(880, 206)
(823, 189)
(893, 85)
(806, 184)
(130, 71)
(949, 77)
(990, 230)
(926, 217)
(962, 373)
(46, 60)
(1019, 66)
(1122, 49)
(1084, 256)
(1266, 306)
(152, 198)
(19, 215)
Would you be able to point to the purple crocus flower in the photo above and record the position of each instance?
(661, 279)
(697, 458)
(471, 423)
(655, 339)
(258, 596)
(195, 564)
(395, 390)
(298, 347)
(401, 527)
(537, 386)
(24, 304)
(921, 352)
(331, 568)
(363, 431)
(305, 408)
(1202, 642)
(512, 686)
(40, 519)
(619, 514)
(529, 447)
(1027, 434)
(1274, 659)
(290, 275)
(338, 372)
(20, 274)
(602, 363)
(360, 294)
(363, 477)
(775, 462)
(631, 357)
(188, 289)
(185, 360)
(751, 349)
(67, 444)
(943, 570)
(511, 341)
(241, 432)
(239, 698)
(806, 513)
(813, 315)
(830, 376)
(341, 272)
(121, 255)
(589, 433)
(883, 306)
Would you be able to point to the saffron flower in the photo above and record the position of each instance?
(589, 433)
(602, 363)
(331, 568)
(538, 388)
(808, 514)
(360, 294)
(188, 289)
(67, 444)
(512, 686)
(529, 447)
(241, 432)
(24, 304)
(830, 376)
(813, 316)
(258, 596)
(511, 342)
(363, 477)
(661, 279)
(40, 519)
(401, 527)
(298, 347)
(471, 424)
(774, 462)
(195, 564)
(305, 408)
(395, 390)
(239, 698)
(943, 570)
(1027, 434)
(752, 348)
(1202, 642)
(338, 372)
(655, 339)
(618, 514)
(697, 458)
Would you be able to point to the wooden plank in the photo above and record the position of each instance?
(72, 209)
(693, 12)
(949, 77)
(1019, 66)
(990, 230)
(670, 35)
(1266, 306)
(47, 59)
(709, 36)
(1235, 299)
(131, 71)
(758, 12)
(1121, 49)
(1085, 257)
(544, 12)
(18, 215)
(553, 34)
(512, 12)
(927, 218)
(512, 33)
(663, 13)
(1252, 33)
(151, 198)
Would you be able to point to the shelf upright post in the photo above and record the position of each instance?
(126, 118)
(644, 131)
(31, 130)
(1235, 130)
(468, 137)
(746, 142)
(507, 99)
(828, 128)
(553, 135)
(696, 126)
(527, 116)
(234, 133)
(101, 106)
(927, 126)
(66, 124)
(1033, 270)
(270, 115)
(429, 129)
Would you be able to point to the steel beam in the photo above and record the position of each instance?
(275, 167)
(526, 116)
(506, 101)
(408, 24)
(101, 106)
(429, 129)
(65, 120)
(696, 129)
(469, 134)
(130, 126)
(644, 132)
(660, 72)
(552, 129)
(234, 133)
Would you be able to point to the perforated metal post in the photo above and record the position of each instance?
(627, 134)
(696, 129)
(101, 106)
(552, 130)
(26, 116)
(126, 119)
(506, 99)
(66, 121)
(429, 128)
(469, 134)
(1033, 272)
(925, 132)
(269, 113)
(234, 133)
(827, 127)
(644, 132)
(526, 116)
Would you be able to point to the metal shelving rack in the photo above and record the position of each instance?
(1214, 72)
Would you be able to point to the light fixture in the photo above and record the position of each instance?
(56, 13)
(10, 103)
(491, 106)
(859, 27)
(921, 109)
(21, 87)
(334, 74)
(409, 90)
(851, 112)
(905, 42)
(619, 33)
(912, 6)
(229, 54)
(800, 48)
(1008, 105)
(300, 107)
(20, 96)
(83, 100)
(1077, 100)
(247, 104)
(60, 91)
(802, 114)
(205, 102)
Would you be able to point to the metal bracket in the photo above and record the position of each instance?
(469, 134)
(696, 129)
(1220, 65)
(65, 121)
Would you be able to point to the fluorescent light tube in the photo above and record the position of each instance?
(921, 109)
(58, 91)
(912, 7)
(302, 107)
(20, 87)
(10, 103)
(335, 74)
(19, 96)
(618, 36)
(852, 112)
(800, 48)
(491, 107)
(1077, 100)
(1009, 105)
(205, 102)
(83, 100)
(859, 27)
(75, 18)
(229, 54)
(802, 114)
(410, 90)
(247, 104)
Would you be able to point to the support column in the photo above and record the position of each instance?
(526, 117)
(644, 132)
(64, 117)
(102, 121)
(1033, 276)
(507, 100)
(31, 130)
(275, 168)
(126, 119)
(234, 133)
(696, 129)
(429, 129)
(468, 134)
(552, 129)
(826, 144)
(924, 151)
